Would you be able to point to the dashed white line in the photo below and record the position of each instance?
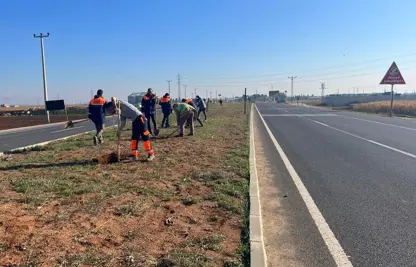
(377, 122)
(63, 130)
(334, 247)
(365, 139)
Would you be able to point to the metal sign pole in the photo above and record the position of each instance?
(118, 135)
(391, 103)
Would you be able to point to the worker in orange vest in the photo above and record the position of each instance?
(96, 113)
(165, 103)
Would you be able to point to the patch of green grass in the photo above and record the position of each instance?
(133, 208)
(190, 200)
(207, 243)
(4, 247)
(184, 258)
(88, 257)
(38, 190)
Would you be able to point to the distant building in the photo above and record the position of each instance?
(4, 105)
(135, 98)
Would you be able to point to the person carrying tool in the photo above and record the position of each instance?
(149, 110)
(201, 106)
(166, 109)
(139, 127)
(96, 113)
(185, 114)
(190, 102)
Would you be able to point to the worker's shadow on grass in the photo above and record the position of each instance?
(48, 165)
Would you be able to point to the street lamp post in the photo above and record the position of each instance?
(45, 85)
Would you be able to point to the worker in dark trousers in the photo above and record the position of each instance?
(139, 127)
(201, 106)
(166, 105)
(149, 110)
(96, 113)
(190, 102)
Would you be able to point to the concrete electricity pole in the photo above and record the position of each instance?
(322, 92)
(169, 81)
(185, 85)
(45, 85)
(206, 94)
(291, 86)
(195, 92)
(179, 87)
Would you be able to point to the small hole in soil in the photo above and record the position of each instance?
(110, 158)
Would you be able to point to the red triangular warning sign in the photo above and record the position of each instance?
(393, 76)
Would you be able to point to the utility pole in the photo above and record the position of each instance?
(206, 94)
(179, 87)
(185, 85)
(195, 92)
(291, 85)
(216, 94)
(169, 81)
(322, 92)
(210, 95)
(45, 85)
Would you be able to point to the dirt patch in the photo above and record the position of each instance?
(61, 209)
(111, 158)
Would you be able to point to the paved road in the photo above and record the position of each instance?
(360, 170)
(15, 138)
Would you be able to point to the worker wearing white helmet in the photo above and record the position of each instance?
(139, 127)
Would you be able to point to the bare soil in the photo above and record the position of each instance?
(187, 208)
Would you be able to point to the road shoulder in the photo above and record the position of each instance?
(290, 235)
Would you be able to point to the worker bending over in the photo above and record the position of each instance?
(149, 110)
(185, 114)
(201, 106)
(190, 102)
(139, 127)
(166, 109)
(96, 113)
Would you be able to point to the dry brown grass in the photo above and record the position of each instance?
(188, 207)
(400, 107)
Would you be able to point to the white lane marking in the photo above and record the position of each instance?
(368, 140)
(301, 115)
(377, 122)
(334, 247)
(63, 130)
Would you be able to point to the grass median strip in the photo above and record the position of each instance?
(189, 207)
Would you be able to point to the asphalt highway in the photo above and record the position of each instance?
(360, 171)
(20, 137)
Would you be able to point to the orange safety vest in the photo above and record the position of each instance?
(164, 99)
(97, 101)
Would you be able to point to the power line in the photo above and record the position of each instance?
(315, 69)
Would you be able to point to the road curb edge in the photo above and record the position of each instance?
(257, 251)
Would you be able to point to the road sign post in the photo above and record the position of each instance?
(392, 77)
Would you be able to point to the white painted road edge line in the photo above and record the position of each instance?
(47, 142)
(257, 250)
(34, 127)
(63, 130)
(334, 247)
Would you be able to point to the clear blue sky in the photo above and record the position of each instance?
(225, 45)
